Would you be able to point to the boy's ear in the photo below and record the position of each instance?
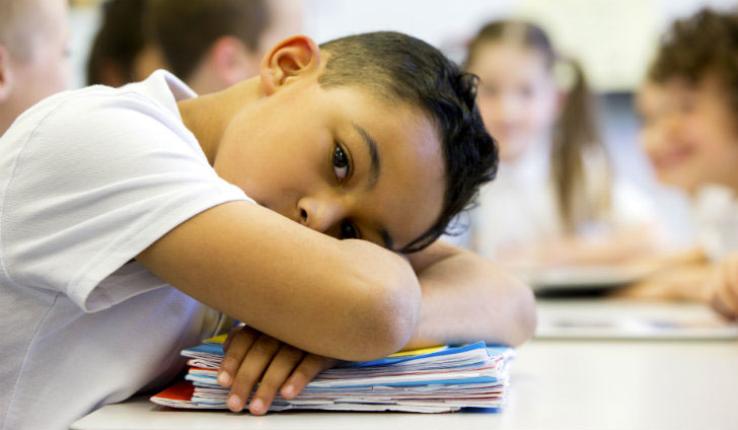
(292, 58)
(6, 75)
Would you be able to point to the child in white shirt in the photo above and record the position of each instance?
(690, 133)
(556, 200)
(122, 209)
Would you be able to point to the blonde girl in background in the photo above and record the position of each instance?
(555, 201)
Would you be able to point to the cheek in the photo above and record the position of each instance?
(708, 139)
(489, 111)
(271, 163)
(543, 112)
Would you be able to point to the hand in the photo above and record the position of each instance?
(678, 283)
(251, 357)
(724, 288)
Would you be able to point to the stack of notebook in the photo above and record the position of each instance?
(440, 379)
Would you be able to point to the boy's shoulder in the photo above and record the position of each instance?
(91, 108)
(82, 130)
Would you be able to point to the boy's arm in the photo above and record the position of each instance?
(347, 299)
(467, 298)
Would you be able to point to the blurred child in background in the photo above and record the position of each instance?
(33, 54)
(223, 44)
(690, 133)
(555, 200)
(120, 53)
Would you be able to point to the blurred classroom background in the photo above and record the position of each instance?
(614, 41)
(638, 342)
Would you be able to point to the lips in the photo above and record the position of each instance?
(672, 157)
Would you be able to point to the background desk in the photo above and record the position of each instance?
(556, 384)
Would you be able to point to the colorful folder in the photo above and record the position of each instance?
(441, 379)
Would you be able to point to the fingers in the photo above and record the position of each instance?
(731, 280)
(237, 345)
(252, 357)
(251, 368)
(279, 370)
(305, 372)
(231, 334)
(725, 298)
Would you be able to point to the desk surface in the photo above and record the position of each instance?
(556, 384)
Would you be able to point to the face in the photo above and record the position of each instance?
(689, 133)
(338, 160)
(517, 96)
(45, 69)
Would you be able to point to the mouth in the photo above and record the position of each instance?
(672, 158)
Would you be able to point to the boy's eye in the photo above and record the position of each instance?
(341, 164)
(349, 230)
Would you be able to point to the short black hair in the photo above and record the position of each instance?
(403, 68)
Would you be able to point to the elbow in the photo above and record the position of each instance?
(525, 316)
(396, 319)
(389, 314)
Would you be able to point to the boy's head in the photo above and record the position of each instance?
(690, 100)
(374, 136)
(33, 54)
(223, 42)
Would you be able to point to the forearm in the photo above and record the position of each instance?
(684, 283)
(344, 299)
(466, 298)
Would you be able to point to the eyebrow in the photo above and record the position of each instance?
(371, 144)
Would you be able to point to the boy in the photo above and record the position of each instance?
(690, 134)
(225, 41)
(374, 137)
(33, 54)
(223, 45)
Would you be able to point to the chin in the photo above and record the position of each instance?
(678, 179)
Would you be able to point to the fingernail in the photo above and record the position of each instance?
(256, 406)
(224, 379)
(234, 403)
(288, 391)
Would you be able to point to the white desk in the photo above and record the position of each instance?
(556, 384)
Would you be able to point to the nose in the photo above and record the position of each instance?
(321, 213)
(510, 107)
(660, 134)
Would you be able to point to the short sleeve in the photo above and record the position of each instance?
(96, 181)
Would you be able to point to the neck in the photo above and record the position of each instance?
(208, 116)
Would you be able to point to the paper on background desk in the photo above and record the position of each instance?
(578, 278)
(442, 379)
(630, 319)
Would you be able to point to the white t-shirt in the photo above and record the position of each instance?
(88, 180)
(519, 207)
